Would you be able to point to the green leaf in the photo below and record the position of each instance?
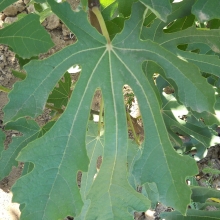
(19, 75)
(26, 37)
(106, 3)
(40, 1)
(4, 89)
(5, 3)
(214, 24)
(181, 24)
(173, 112)
(115, 26)
(51, 73)
(61, 94)
(206, 10)
(149, 18)
(204, 206)
(94, 146)
(108, 66)
(30, 130)
(84, 4)
(124, 7)
(23, 62)
(190, 35)
(38, 7)
(201, 194)
(211, 171)
(191, 215)
(2, 139)
(209, 118)
(46, 128)
(152, 193)
(133, 154)
(192, 144)
(160, 8)
(109, 9)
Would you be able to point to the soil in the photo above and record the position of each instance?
(62, 37)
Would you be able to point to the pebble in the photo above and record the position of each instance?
(26, 2)
(53, 22)
(1, 23)
(9, 210)
(216, 183)
(30, 9)
(20, 6)
(2, 16)
(10, 20)
(2, 60)
(11, 10)
(65, 30)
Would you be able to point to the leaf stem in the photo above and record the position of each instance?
(132, 128)
(98, 14)
(4, 89)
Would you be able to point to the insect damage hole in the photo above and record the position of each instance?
(79, 178)
(134, 118)
(96, 130)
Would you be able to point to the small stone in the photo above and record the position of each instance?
(2, 16)
(1, 23)
(11, 10)
(20, 6)
(26, 2)
(216, 183)
(149, 215)
(8, 76)
(10, 20)
(44, 23)
(211, 208)
(53, 22)
(65, 30)
(2, 58)
(73, 4)
(2, 64)
(30, 9)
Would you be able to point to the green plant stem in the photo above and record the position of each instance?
(4, 89)
(100, 117)
(54, 108)
(132, 128)
(98, 14)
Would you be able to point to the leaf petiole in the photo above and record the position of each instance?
(98, 14)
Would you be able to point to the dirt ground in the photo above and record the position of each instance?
(61, 37)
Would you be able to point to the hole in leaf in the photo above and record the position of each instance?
(95, 132)
(134, 118)
(69, 218)
(149, 19)
(79, 178)
(179, 24)
(99, 162)
(60, 95)
(95, 107)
